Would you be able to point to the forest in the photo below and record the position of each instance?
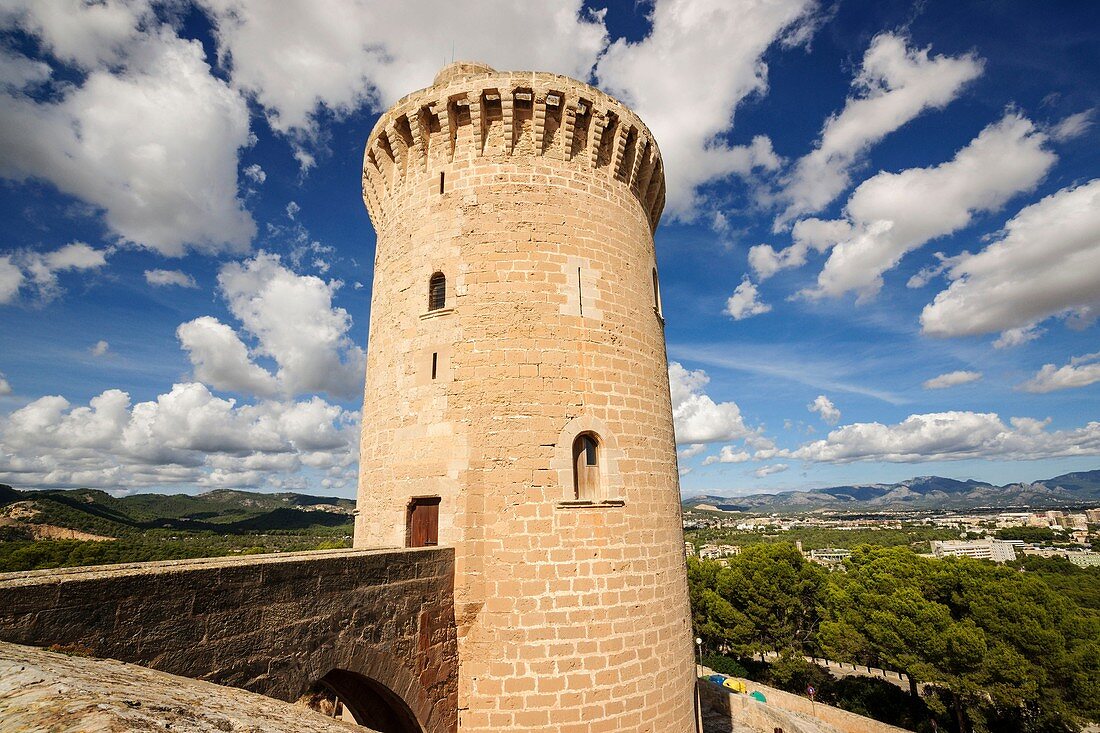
(986, 647)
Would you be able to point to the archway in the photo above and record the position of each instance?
(369, 702)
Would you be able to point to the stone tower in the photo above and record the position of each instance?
(517, 401)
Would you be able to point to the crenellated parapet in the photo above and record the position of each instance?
(475, 114)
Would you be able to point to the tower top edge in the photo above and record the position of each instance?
(461, 70)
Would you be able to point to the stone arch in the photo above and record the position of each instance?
(611, 482)
(362, 677)
(371, 703)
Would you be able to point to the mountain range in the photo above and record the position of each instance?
(922, 492)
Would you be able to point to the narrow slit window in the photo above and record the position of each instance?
(437, 291)
(656, 293)
(441, 175)
(435, 363)
(580, 293)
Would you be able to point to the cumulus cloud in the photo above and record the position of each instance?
(148, 135)
(950, 436)
(255, 173)
(698, 418)
(769, 470)
(1046, 262)
(343, 54)
(951, 379)
(825, 408)
(745, 301)
(727, 455)
(100, 348)
(692, 450)
(186, 436)
(221, 359)
(895, 84)
(5, 386)
(291, 319)
(162, 278)
(894, 213)
(1081, 371)
(808, 234)
(39, 269)
(686, 78)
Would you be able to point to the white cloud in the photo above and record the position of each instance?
(163, 278)
(1013, 337)
(951, 379)
(769, 470)
(19, 72)
(100, 348)
(187, 436)
(895, 213)
(80, 33)
(807, 234)
(950, 436)
(895, 84)
(686, 78)
(221, 359)
(825, 408)
(1073, 126)
(11, 279)
(39, 269)
(692, 450)
(745, 302)
(293, 321)
(255, 173)
(1080, 372)
(5, 386)
(149, 135)
(342, 54)
(727, 455)
(1046, 262)
(698, 418)
(292, 209)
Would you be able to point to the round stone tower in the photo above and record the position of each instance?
(517, 401)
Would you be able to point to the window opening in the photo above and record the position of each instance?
(441, 174)
(437, 291)
(435, 362)
(586, 467)
(580, 292)
(656, 293)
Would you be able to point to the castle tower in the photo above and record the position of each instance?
(517, 401)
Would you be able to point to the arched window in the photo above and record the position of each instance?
(586, 467)
(437, 291)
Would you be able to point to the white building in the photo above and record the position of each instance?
(830, 556)
(987, 549)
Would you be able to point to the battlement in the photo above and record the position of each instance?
(473, 113)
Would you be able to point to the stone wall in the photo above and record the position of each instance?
(724, 712)
(272, 624)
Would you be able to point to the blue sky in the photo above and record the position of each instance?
(880, 255)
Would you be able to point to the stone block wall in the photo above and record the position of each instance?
(272, 624)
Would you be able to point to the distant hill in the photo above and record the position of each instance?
(223, 511)
(922, 492)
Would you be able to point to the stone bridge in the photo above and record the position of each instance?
(375, 628)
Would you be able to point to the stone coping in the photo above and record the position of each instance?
(35, 577)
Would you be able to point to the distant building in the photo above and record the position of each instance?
(689, 549)
(1092, 515)
(829, 556)
(987, 549)
(713, 552)
(1084, 559)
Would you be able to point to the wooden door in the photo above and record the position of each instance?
(423, 522)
